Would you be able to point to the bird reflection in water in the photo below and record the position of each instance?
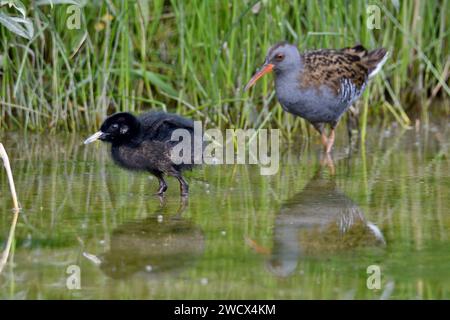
(319, 220)
(157, 245)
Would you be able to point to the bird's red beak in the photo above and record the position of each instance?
(265, 69)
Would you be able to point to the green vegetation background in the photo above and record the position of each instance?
(194, 57)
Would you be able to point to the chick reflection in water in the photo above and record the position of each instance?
(319, 220)
(158, 245)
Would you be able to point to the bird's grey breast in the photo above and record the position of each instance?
(287, 91)
(315, 104)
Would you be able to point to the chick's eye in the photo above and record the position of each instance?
(279, 57)
(115, 126)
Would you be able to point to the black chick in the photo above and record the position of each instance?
(144, 143)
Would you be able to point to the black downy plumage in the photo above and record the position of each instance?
(144, 143)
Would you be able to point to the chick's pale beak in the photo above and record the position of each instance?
(265, 69)
(94, 137)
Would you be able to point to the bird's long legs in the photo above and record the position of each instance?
(320, 127)
(324, 140)
(162, 184)
(327, 141)
(184, 187)
(330, 141)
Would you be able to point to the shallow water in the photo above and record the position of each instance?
(301, 233)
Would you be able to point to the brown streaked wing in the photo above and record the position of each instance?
(330, 67)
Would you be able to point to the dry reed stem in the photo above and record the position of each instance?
(16, 209)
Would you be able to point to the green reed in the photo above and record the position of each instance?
(195, 57)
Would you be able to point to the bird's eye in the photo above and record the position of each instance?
(114, 126)
(279, 56)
